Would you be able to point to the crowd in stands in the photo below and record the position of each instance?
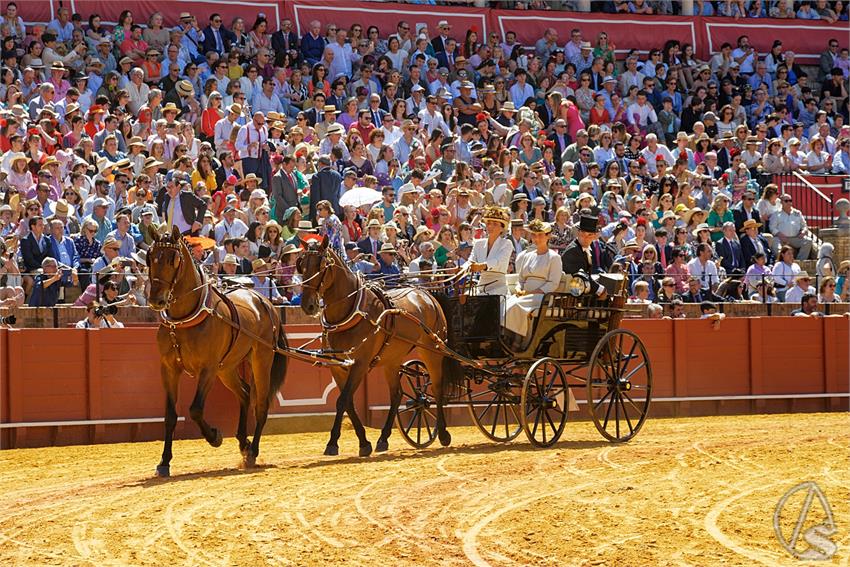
(392, 142)
(827, 10)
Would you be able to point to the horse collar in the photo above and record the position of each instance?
(351, 320)
(198, 315)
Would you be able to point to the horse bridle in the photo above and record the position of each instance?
(169, 284)
(328, 263)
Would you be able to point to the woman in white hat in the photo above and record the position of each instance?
(491, 255)
(20, 176)
(539, 270)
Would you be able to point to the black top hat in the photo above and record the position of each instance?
(588, 222)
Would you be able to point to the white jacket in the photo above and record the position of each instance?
(498, 258)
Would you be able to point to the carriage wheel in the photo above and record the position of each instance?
(619, 385)
(495, 409)
(416, 418)
(544, 402)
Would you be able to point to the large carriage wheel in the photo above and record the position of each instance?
(495, 409)
(544, 402)
(619, 385)
(416, 418)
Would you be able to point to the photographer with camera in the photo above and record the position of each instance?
(100, 317)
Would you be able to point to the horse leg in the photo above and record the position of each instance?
(355, 377)
(231, 379)
(394, 383)
(205, 381)
(261, 363)
(341, 377)
(170, 382)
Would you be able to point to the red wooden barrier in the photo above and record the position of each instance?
(60, 375)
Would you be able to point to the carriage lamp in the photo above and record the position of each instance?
(579, 285)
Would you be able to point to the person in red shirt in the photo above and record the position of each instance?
(95, 122)
(364, 123)
(134, 46)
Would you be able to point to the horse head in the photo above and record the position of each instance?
(313, 265)
(165, 259)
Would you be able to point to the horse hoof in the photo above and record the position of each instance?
(331, 451)
(366, 450)
(163, 471)
(249, 461)
(382, 446)
(445, 438)
(217, 440)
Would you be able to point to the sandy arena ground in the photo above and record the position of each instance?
(699, 491)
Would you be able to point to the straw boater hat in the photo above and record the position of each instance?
(170, 107)
(750, 223)
(497, 214)
(252, 177)
(387, 248)
(423, 234)
(538, 226)
(152, 162)
(688, 215)
(289, 249)
(184, 88)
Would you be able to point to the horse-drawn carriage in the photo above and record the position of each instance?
(575, 344)
(434, 351)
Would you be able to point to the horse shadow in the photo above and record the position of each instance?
(219, 473)
(470, 449)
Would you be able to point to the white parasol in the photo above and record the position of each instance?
(359, 196)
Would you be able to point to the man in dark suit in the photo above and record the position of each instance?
(285, 40)
(446, 57)
(697, 295)
(746, 211)
(324, 186)
(284, 188)
(577, 256)
(439, 42)
(729, 250)
(316, 113)
(561, 138)
(753, 243)
(179, 207)
(216, 37)
(34, 249)
(371, 243)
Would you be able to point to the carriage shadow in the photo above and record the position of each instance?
(220, 473)
(469, 449)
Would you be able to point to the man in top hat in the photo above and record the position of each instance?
(577, 257)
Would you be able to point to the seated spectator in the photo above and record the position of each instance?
(97, 317)
(46, 285)
(790, 228)
(808, 306)
(802, 286)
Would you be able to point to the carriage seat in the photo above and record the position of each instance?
(512, 279)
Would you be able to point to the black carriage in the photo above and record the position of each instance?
(575, 344)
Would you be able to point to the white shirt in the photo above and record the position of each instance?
(223, 129)
(224, 230)
(649, 156)
(433, 121)
(795, 294)
(707, 274)
(247, 138)
(497, 258)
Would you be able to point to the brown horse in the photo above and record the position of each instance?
(209, 334)
(352, 319)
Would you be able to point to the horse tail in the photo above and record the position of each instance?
(452, 379)
(279, 363)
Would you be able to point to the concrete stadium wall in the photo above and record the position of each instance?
(69, 386)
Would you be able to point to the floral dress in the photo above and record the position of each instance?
(332, 228)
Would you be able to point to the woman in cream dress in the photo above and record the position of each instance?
(490, 256)
(539, 270)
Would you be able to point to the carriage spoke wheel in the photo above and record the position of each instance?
(495, 409)
(416, 417)
(544, 402)
(619, 385)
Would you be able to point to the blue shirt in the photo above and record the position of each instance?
(266, 288)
